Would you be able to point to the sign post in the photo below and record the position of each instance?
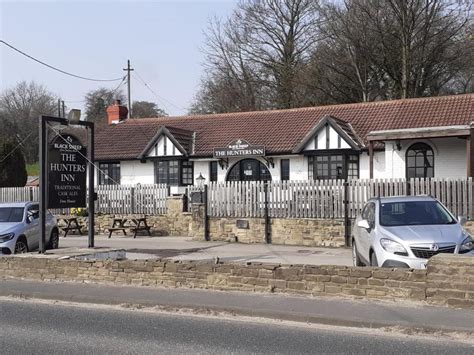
(63, 173)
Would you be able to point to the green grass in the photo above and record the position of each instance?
(33, 169)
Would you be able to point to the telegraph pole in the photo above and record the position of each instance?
(129, 102)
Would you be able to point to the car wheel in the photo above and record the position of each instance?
(53, 240)
(355, 255)
(373, 260)
(21, 246)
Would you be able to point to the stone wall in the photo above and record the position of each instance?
(288, 231)
(448, 279)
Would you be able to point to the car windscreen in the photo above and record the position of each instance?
(410, 213)
(11, 214)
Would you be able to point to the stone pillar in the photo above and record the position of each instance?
(197, 223)
(175, 205)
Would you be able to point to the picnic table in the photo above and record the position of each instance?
(138, 224)
(118, 224)
(71, 225)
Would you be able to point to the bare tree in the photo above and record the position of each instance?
(20, 108)
(145, 109)
(258, 53)
(97, 102)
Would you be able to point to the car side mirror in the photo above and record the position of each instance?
(363, 224)
(29, 219)
(462, 220)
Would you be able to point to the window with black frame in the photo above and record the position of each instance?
(186, 173)
(419, 161)
(109, 173)
(333, 166)
(285, 169)
(213, 171)
(174, 172)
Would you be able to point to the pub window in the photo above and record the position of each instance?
(213, 171)
(285, 169)
(109, 173)
(420, 161)
(167, 172)
(174, 172)
(335, 166)
(186, 172)
(353, 167)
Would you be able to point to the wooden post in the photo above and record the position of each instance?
(347, 221)
(267, 219)
(206, 216)
(371, 159)
(470, 152)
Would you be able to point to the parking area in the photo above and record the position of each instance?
(183, 248)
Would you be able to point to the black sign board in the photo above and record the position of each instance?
(239, 148)
(67, 172)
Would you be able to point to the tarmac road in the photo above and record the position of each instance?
(35, 328)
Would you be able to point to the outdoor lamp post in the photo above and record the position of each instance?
(200, 180)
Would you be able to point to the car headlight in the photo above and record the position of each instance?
(393, 247)
(6, 237)
(467, 245)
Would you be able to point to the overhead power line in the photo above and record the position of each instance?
(154, 93)
(54, 68)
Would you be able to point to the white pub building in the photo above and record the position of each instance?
(425, 137)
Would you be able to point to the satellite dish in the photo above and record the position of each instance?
(74, 115)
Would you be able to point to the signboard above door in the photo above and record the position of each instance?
(239, 148)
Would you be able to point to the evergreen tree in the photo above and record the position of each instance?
(12, 165)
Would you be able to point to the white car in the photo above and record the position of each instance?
(406, 232)
(20, 228)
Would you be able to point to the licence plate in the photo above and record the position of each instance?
(424, 265)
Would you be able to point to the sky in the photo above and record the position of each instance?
(162, 39)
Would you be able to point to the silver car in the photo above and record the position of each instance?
(20, 228)
(406, 232)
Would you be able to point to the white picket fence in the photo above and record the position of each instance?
(138, 199)
(283, 199)
(19, 194)
(111, 199)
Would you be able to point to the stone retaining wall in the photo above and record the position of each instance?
(444, 282)
(288, 231)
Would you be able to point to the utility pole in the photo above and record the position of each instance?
(129, 102)
(64, 111)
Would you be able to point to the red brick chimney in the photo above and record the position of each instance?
(116, 113)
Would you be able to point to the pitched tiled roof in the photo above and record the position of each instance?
(280, 131)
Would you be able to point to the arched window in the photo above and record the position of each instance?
(249, 170)
(420, 161)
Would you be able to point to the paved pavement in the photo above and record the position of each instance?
(183, 248)
(321, 310)
(36, 328)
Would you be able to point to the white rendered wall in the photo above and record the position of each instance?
(379, 165)
(450, 159)
(133, 172)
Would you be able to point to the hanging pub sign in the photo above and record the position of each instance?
(67, 172)
(239, 148)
